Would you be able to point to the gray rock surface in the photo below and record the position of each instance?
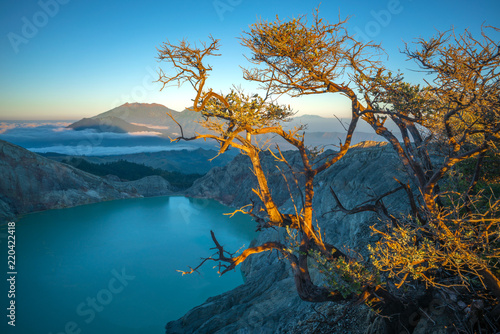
(268, 302)
(32, 183)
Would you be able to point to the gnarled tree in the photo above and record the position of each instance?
(457, 113)
(235, 120)
(455, 117)
(461, 105)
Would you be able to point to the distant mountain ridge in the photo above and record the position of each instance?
(319, 130)
(137, 117)
(142, 113)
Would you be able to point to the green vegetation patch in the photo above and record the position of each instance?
(130, 171)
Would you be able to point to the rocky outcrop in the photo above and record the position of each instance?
(268, 302)
(32, 183)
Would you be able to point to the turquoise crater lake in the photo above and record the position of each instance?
(111, 267)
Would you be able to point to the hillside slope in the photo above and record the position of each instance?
(155, 116)
(107, 124)
(140, 113)
(32, 183)
(183, 161)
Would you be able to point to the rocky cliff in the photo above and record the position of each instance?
(32, 183)
(267, 302)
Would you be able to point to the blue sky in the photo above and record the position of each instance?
(67, 59)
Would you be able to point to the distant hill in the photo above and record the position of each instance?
(137, 117)
(142, 113)
(155, 116)
(319, 130)
(108, 124)
(182, 161)
(330, 140)
(334, 138)
(315, 123)
(31, 183)
(130, 171)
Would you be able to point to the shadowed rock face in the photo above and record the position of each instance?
(268, 301)
(107, 124)
(32, 183)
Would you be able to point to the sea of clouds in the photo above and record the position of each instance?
(54, 136)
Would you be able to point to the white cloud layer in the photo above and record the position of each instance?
(43, 137)
(5, 126)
